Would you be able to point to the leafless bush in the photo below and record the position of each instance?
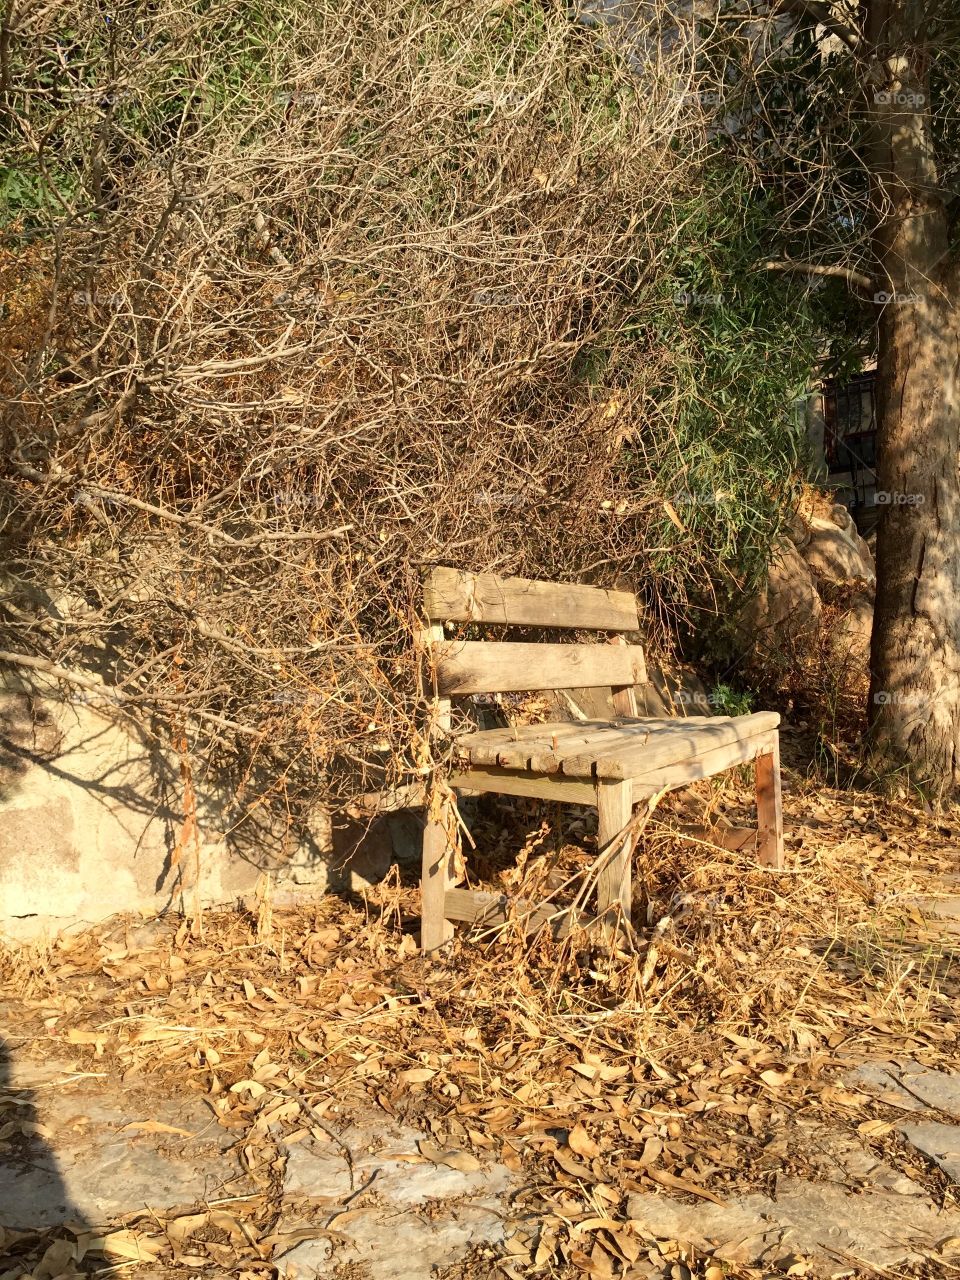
(299, 313)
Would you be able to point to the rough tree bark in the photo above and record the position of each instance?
(915, 660)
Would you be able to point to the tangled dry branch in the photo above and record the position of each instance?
(297, 313)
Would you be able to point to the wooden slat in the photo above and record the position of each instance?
(516, 782)
(506, 734)
(770, 806)
(542, 747)
(412, 795)
(455, 596)
(474, 906)
(516, 745)
(672, 741)
(491, 667)
(435, 879)
(548, 756)
(706, 765)
(545, 754)
(615, 807)
(624, 696)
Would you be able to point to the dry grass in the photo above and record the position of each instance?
(674, 1067)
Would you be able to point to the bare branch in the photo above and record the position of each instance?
(856, 279)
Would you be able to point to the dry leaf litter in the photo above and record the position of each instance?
(692, 1061)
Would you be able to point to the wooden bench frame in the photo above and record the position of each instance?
(613, 783)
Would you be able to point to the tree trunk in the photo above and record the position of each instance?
(915, 660)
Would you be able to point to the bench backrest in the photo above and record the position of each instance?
(488, 666)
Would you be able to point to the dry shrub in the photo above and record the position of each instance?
(309, 300)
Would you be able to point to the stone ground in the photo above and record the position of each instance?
(92, 1151)
(358, 1195)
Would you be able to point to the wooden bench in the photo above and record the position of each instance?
(612, 764)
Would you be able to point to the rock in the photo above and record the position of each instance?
(306, 1260)
(788, 607)
(851, 632)
(838, 555)
(320, 1172)
(797, 530)
(820, 1220)
(843, 1158)
(678, 693)
(406, 835)
(906, 1084)
(94, 1169)
(942, 911)
(466, 1207)
(667, 693)
(317, 1172)
(938, 1142)
(841, 517)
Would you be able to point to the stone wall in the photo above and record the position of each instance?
(92, 811)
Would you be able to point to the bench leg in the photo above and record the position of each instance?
(436, 878)
(614, 897)
(769, 807)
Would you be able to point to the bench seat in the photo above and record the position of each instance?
(613, 765)
(627, 747)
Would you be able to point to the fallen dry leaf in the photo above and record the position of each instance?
(463, 1161)
(154, 1126)
(581, 1143)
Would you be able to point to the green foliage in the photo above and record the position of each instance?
(727, 701)
(743, 343)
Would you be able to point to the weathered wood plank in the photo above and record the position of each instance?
(542, 747)
(624, 696)
(669, 742)
(548, 757)
(455, 596)
(614, 898)
(703, 766)
(431, 638)
(412, 795)
(769, 806)
(516, 782)
(435, 879)
(512, 748)
(474, 906)
(477, 666)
